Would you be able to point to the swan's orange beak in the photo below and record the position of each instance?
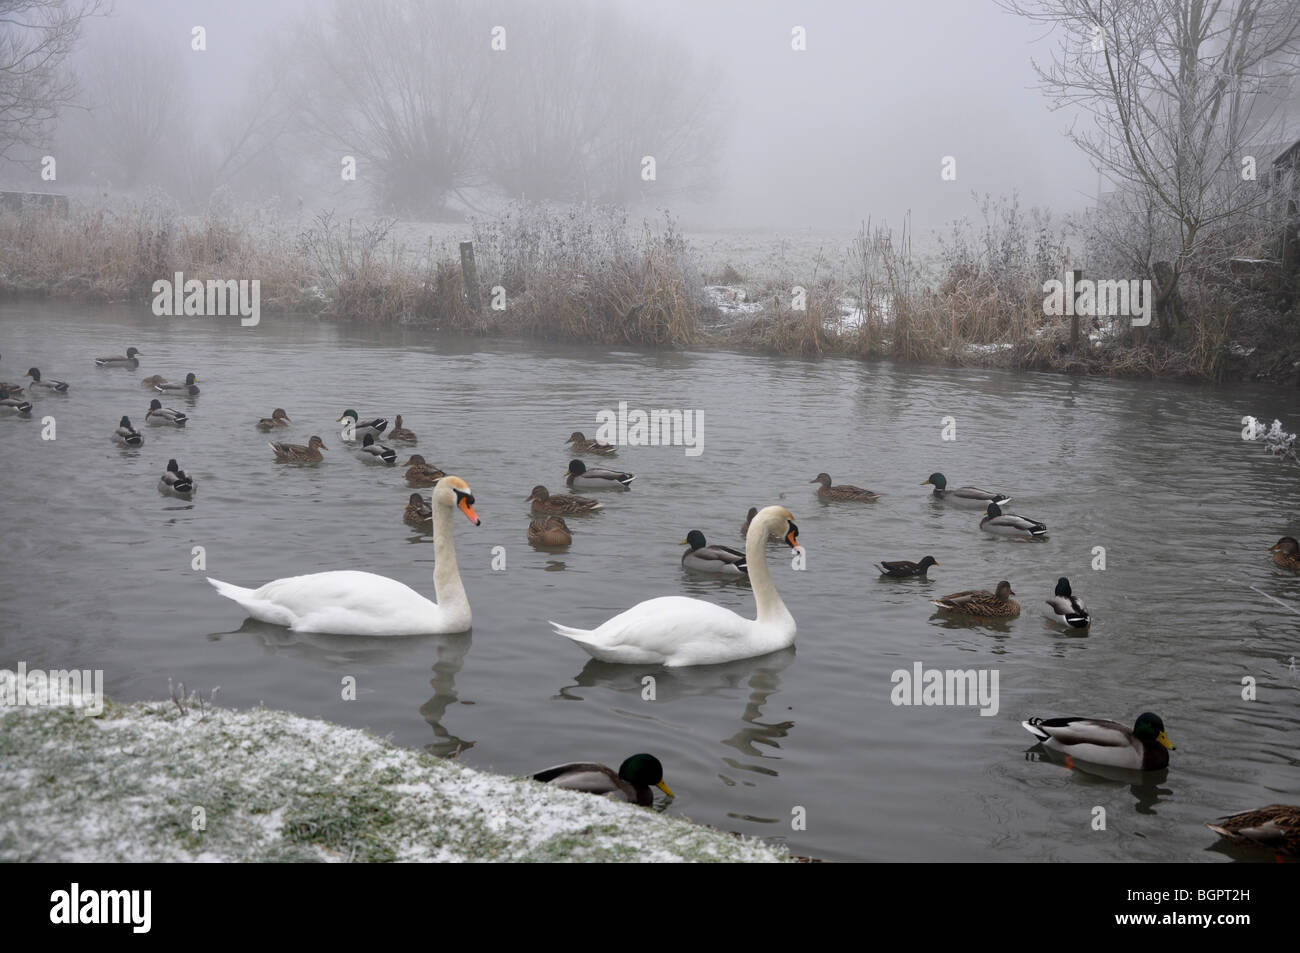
(468, 510)
(792, 539)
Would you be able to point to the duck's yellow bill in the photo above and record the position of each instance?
(925, 483)
(665, 788)
(1164, 740)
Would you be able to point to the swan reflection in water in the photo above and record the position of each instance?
(347, 654)
(753, 739)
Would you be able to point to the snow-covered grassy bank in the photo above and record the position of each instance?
(133, 784)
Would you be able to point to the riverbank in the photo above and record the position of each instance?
(589, 275)
(146, 783)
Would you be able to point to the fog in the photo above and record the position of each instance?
(854, 127)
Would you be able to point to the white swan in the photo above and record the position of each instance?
(675, 630)
(348, 602)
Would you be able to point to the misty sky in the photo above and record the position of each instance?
(854, 127)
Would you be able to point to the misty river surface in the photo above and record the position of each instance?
(96, 571)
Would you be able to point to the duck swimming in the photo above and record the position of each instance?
(902, 569)
(632, 782)
(843, 493)
(58, 387)
(362, 428)
(1095, 740)
(420, 473)
(1067, 608)
(378, 452)
(551, 531)
(1009, 524)
(578, 476)
(278, 418)
(981, 602)
(129, 360)
(581, 444)
(127, 435)
(561, 504)
(12, 405)
(296, 453)
(189, 388)
(176, 481)
(714, 560)
(158, 414)
(965, 495)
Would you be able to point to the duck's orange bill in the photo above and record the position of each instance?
(666, 789)
(468, 511)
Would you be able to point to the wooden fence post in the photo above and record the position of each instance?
(469, 276)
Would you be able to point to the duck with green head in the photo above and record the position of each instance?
(189, 388)
(1098, 741)
(1009, 524)
(12, 405)
(632, 782)
(120, 360)
(158, 414)
(714, 560)
(46, 383)
(963, 495)
(360, 429)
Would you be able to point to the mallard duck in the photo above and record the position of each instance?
(401, 433)
(158, 414)
(966, 495)
(674, 630)
(59, 387)
(632, 782)
(119, 361)
(1286, 553)
(350, 602)
(419, 512)
(14, 389)
(188, 388)
(1145, 748)
(150, 383)
(842, 493)
(582, 445)
(420, 473)
(561, 505)
(1009, 524)
(714, 560)
(12, 405)
(127, 435)
(360, 428)
(981, 602)
(1275, 828)
(1067, 608)
(278, 418)
(749, 518)
(377, 451)
(176, 481)
(297, 453)
(579, 477)
(551, 531)
(902, 569)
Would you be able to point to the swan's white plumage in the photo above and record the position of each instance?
(676, 631)
(350, 602)
(343, 602)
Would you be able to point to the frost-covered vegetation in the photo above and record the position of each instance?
(146, 782)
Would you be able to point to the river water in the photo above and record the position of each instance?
(803, 746)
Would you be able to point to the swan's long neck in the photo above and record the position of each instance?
(447, 587)
(771, 609)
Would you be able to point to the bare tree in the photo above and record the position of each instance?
(36, 37)
(583, 95)
(403, 87)
(137, 100)
(1177, 91)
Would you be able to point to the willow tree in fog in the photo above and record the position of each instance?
(581, 95)
(1174, 89)
(36, 38)
(136, 99)
(402, 86)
